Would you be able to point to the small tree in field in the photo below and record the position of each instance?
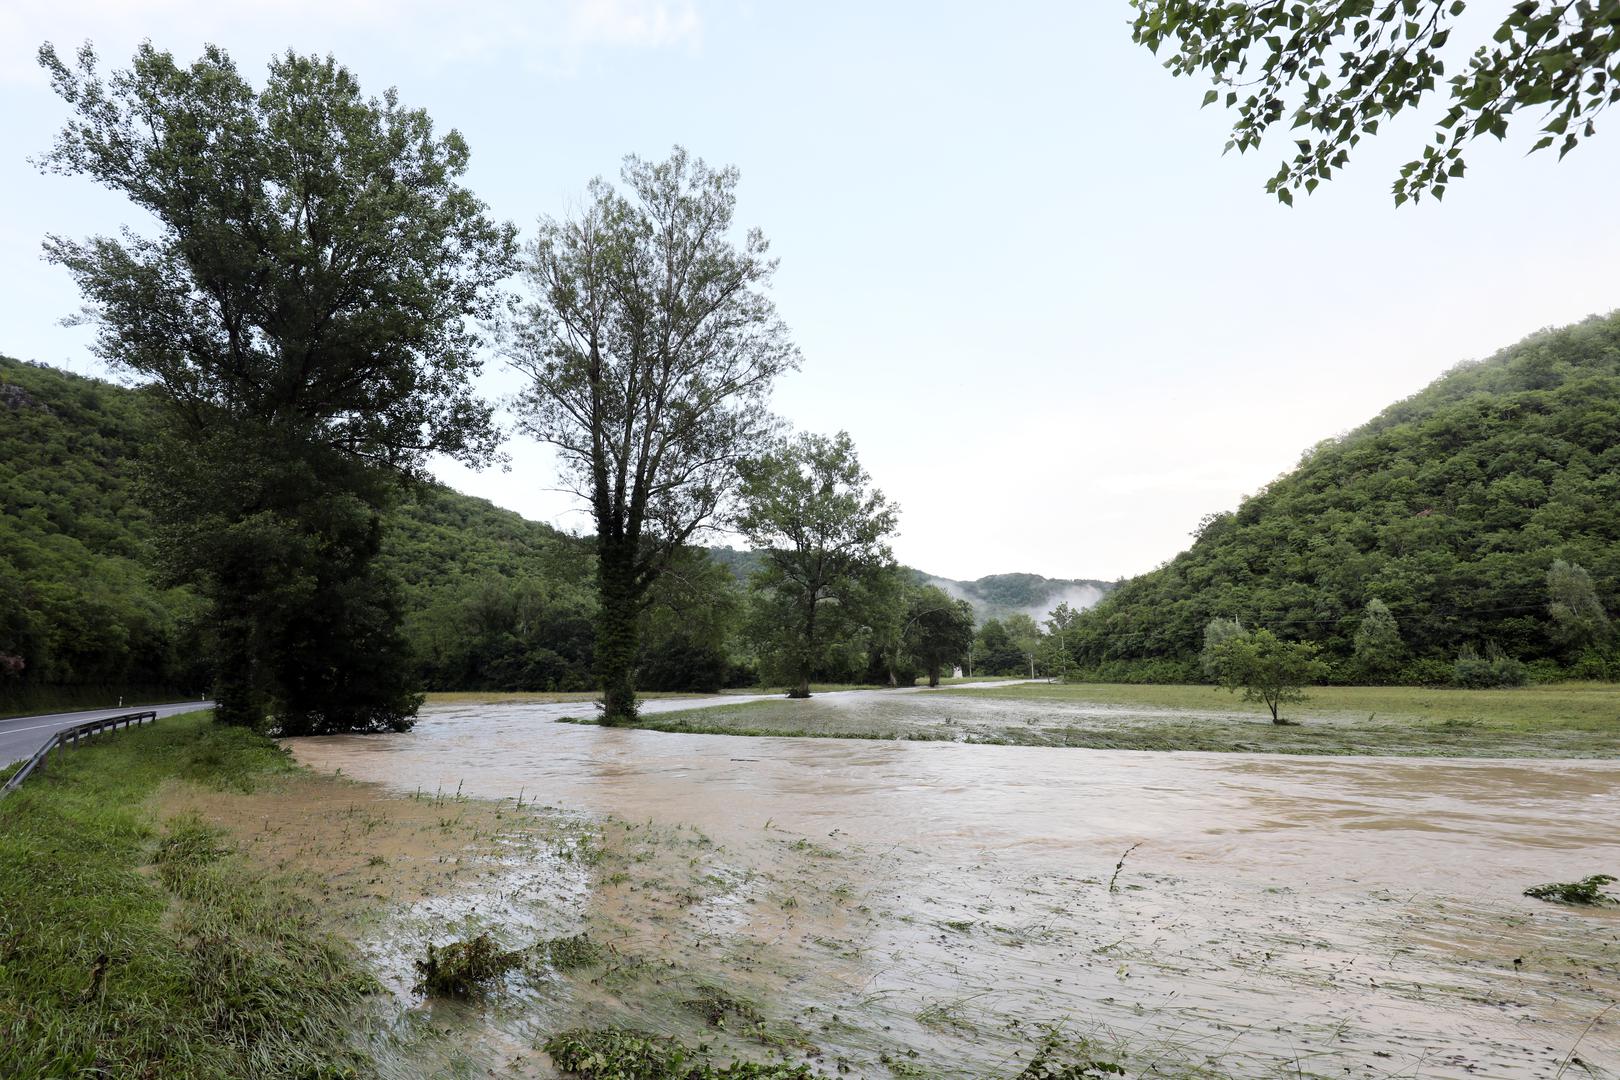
(1216, 633)
(1578, 618)
(1267, 669)
(1059, 661)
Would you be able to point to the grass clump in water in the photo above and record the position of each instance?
(465, 968)
(130, 949)
(619, 1054)
(572, 953)
(1586, 891)
(714, 1005)
(1064, 1058)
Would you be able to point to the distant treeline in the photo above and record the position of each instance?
(1451, 508)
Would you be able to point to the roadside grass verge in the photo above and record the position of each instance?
(134, 947)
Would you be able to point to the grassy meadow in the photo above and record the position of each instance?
(1557, 720)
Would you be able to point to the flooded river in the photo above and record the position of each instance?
(1274, 916)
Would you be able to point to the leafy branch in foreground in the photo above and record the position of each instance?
(1340, 69)
(1586, 891)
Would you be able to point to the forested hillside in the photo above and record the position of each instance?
(490, 598)
(1450, 507)
(79, 603)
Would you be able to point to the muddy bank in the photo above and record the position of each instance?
(900, 905)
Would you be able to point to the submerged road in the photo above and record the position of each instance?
(20, 736)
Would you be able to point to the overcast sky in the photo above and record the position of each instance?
(1059, 325)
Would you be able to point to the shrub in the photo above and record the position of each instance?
(1495, 669)
(1427, 672)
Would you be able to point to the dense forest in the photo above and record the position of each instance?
(1483, 512)
(79, 602)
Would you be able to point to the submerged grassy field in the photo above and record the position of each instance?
(1561, 720)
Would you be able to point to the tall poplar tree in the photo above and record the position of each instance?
(650, 345)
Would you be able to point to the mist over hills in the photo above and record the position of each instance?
(994, 596)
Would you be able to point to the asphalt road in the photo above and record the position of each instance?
(22, 735)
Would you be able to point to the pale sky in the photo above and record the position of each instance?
(1058, 324)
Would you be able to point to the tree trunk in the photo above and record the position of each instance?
(616, 640)
(238, 698)
(801, 688)
(933, 674)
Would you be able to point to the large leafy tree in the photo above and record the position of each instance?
(823, 528)
(650, 345)
(1338, 69)
(938, 631)
(303, 298)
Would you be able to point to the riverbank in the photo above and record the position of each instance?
(1565, 720)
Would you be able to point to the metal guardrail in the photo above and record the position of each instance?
(72, 735)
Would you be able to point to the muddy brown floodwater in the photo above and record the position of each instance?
(922, 908)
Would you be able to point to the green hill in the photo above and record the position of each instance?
(1450, 507)
(78, 603)
(489, 596)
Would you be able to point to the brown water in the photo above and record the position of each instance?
(1281, 916)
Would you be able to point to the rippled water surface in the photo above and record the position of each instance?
(1360, 916)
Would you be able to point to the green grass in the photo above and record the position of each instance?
(815, 688)
(135, 947)
(1586, 706)
(1562, 720)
